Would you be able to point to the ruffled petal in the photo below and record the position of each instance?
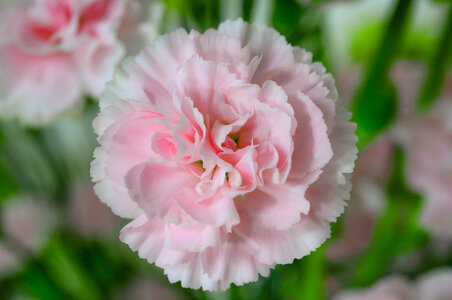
(275, 206)
(262, 41)
(155, 186)
(312, 148)
(123, 145)
(328, 194)
(232, 263)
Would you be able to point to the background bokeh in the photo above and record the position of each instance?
(392, 63)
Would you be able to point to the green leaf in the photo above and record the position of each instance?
(375, 111)
(67, 272)
(203, 13)
(38, 285)
(374, 105)
(7, 185)
(286, 15)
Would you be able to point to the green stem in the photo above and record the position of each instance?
(437, 68)
(231, 9)
(262, 12)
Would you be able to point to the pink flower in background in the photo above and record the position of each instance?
(229, 149)
(434, 285)
(9, 260)
(87, 214)
(427, 141)
(28, 222)
(53, 52)
(390, 288)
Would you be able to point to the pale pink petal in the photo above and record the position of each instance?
(232, 263)
(333, 185)
(125, 145)
(195, 238)
(312, 146)
(146, 237)
(262, 41)
(155, 187)
(275, 206)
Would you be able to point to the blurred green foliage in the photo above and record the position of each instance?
(375, 103)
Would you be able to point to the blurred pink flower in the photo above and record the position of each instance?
(228, 148)
(427, 141)
(87, 214)
(434, 285)
(9, 260)
(140, 24)
(390, 288)
(52, 52)
(28, 222)
(407, 76)
(368, 198)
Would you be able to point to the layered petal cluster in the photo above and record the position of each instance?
(229, 149)
(53, 52)
(434, 285)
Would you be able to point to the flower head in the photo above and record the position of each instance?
(230, 151)
(53, 52)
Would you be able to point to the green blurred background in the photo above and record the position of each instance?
(58, 242)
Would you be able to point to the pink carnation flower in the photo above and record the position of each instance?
(52, 52)
(229, 149)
